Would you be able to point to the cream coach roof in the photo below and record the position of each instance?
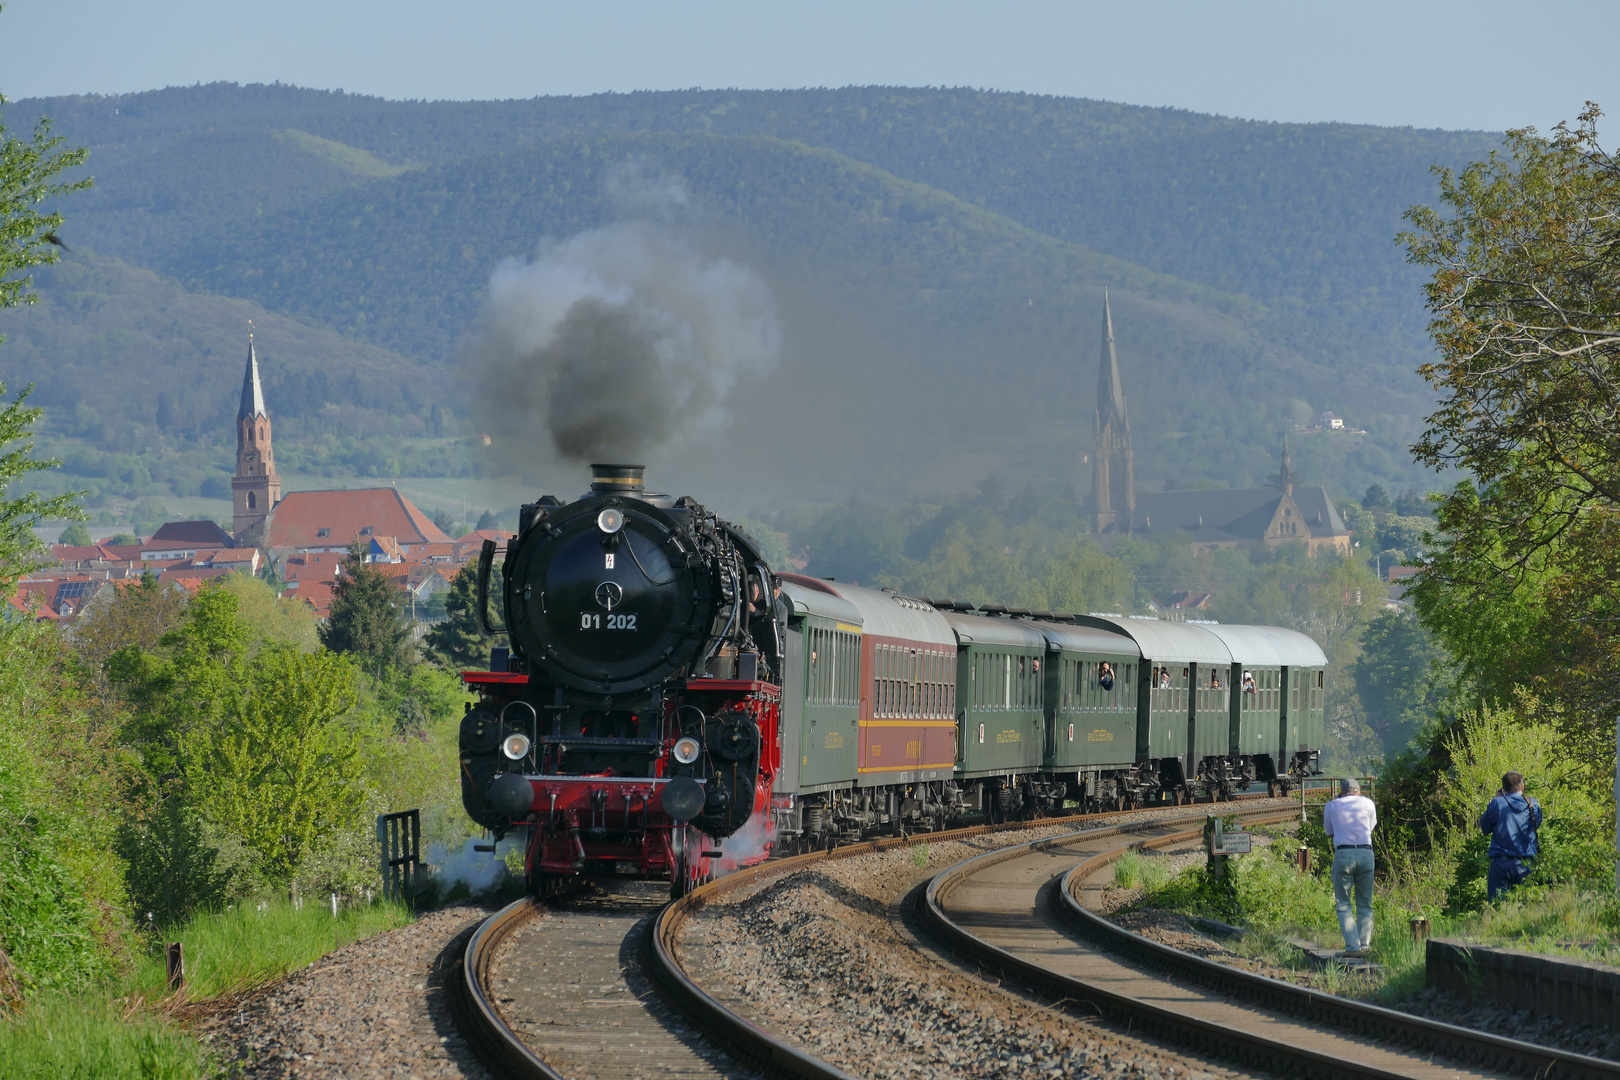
(983, 630)
(1165, 642)
(1268, 646)
(888, 614)
(812, 597)
(1087, 639)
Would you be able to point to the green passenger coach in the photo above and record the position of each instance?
(821, 706)
(899, 709)
(1268, 661)
(1000, 703)
(1091, 704)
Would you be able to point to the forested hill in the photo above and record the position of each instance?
(961, 233)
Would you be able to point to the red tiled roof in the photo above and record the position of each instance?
(119, 552)
(299, 517)
(33, 606)
(477, 537)
(313, 566)
(233, 555)
(423, 552)
(199, 574)
(317, 594)
(74, 553)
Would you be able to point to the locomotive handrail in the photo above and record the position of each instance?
(486, 560)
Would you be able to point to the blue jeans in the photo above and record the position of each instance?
(1353, 869)
(1505, 872)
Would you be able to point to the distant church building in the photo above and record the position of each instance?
(1233, 517)
(256, 487)
(1113, 472)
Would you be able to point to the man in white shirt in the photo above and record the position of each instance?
(1349, 822)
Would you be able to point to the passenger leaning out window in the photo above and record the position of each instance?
(1105, 675)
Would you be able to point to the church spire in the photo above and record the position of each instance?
(252, 392)
(256, 487)
(1287, 473)
(1110, 392)
(1113, 472)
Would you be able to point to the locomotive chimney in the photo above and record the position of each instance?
(617, 480)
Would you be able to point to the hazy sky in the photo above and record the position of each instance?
(1480, 64)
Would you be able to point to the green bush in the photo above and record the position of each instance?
(1262, 890)
(178, 863)
(47, 924)
(1576, 833)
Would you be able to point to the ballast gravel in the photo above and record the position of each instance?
(816, 956)
(369, 1011)
(1550, 1031)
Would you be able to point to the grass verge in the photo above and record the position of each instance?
(253, 943)
(127, 1027)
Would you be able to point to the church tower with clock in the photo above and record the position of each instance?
(256, 487)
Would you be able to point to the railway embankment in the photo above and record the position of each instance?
(1169, 897)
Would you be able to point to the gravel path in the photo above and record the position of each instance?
(374, 1009)
(824, 957)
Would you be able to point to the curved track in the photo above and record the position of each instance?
(1021, 910)
(574, 996)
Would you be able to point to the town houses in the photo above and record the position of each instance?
(302, 537)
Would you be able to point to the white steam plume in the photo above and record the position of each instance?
(619, 341)
(748, 845)
(479, 870)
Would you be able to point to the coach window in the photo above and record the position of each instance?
(939, 685)
(925, 685)
(814, 682)
(890, 704)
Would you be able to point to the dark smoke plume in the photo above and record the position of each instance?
(618, 342)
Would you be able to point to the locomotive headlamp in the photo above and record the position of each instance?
(610, 520)
(687, 749)
(515, 746)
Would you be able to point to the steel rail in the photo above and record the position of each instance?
(481, 1023)
(1324, 1010)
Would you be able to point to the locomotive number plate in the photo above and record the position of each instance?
(595, 620)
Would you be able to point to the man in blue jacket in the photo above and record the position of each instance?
(1511, 819)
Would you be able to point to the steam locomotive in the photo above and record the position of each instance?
(671, 706)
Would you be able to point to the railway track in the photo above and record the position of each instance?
(591, 985)
(1022, 911)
